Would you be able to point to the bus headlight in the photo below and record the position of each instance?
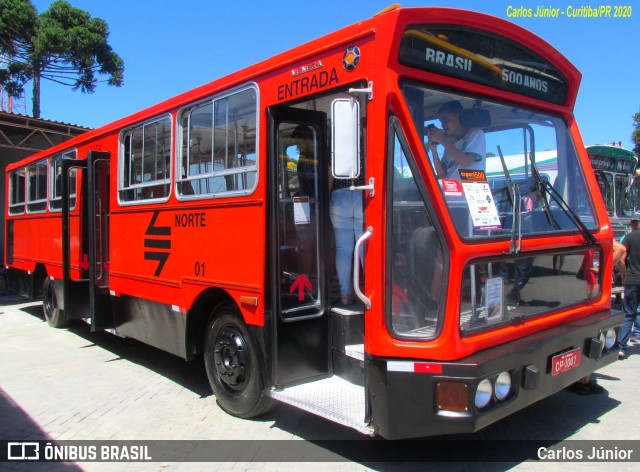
(483, 393)
(503, 386)
(610, 339)
(603, 340)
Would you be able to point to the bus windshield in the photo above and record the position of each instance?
(632, 202)
(522, 174)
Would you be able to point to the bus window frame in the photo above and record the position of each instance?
(38, 205)
(122, 168)
(21, 206)
(180, 139)
(69, 154)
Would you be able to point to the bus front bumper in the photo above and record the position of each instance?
(416, 398)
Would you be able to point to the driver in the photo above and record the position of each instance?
(463, 147)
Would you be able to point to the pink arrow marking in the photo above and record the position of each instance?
(301, 283)
(84, 264)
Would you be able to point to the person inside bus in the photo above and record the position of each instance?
(345, 211)
(464, 147)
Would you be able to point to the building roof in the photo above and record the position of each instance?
(25, 133)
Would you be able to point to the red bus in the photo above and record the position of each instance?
(205, 226)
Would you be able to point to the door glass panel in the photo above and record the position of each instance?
(298, 220)
(101, 223)
(418, 264)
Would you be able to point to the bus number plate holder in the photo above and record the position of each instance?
(565, 361)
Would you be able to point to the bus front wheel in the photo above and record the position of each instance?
(52, 313)
(233, 364)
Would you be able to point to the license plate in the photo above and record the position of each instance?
(565, 361)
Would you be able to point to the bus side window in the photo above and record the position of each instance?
(146, 160)
(216, 158)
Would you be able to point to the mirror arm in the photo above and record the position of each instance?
(369, 187)
(368, 90)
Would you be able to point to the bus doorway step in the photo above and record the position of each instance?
(332, 398)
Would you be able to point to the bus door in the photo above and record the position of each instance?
(74, 291)
(299, 230)
(88, 296)
(98, 232)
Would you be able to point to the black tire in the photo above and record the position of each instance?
(53, 315)
(234, 365)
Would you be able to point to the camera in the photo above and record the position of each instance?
(430, 127)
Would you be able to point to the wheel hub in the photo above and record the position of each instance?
(231, 356)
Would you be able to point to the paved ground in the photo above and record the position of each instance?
(75, 385)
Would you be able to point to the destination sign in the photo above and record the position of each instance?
(603, 163)
(482, 58)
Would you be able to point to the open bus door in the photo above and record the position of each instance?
(98, 183)
(299, 235)
(88, 296)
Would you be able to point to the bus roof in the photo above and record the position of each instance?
(611, 151)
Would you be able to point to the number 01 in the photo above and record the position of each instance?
(198, 269)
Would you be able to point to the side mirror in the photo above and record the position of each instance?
(345, 138)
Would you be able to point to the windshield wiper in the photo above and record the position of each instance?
(546, 188)
(515, 197)
(575, 219)
(540, 186)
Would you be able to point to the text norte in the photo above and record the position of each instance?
(307, 84)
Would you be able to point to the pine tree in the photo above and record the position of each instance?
(64, 45)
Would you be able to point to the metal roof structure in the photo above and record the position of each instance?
(26, 135)
(21, 136)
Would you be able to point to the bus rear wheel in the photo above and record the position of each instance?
(234, 365)
(53, 315)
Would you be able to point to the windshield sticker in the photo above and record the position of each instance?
(451, 187)
(477, 191)
(494, 298)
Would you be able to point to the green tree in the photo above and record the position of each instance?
(635, 137)
(64, 45)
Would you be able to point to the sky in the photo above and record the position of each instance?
(171, 46)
